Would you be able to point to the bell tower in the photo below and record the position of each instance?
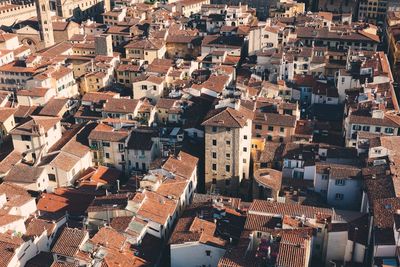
(45, 22)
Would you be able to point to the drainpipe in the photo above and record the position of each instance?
(354, 244)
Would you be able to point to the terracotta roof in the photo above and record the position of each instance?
(75, 201)
(270, 178)
(160, 66)
(367, 120)
(54, 107)
(8, 246)
(101, 175)
(69, 242)
(156, 208)
(37, 226)
(261, 223)
(6, 113)
(272, 152)
(228, 117)
(117, 258)
(23, 173)
(183, 165)
(109, 238)
(9, 161)
(8, 219)
(16, 195)
(146, 44)
(326, 34)
(28, 128)
(190, 228)
(165, 103)
(75, 148)
(271, 208)
(97, 97)
(65, 161)
(214, 83)
(155, 79)
(24, 111)
(109, 202)
(293, 251)
(103, 132)
(141, 139)
(121, 223)
(172, 188)
(338, 171)
(60, 25)
(121, 105)
(274, 119)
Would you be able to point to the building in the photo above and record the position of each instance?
(45, 22)
(227, 146)
(372, 11)
(147, 49)
(150, 87)
(142, 149)
(36, 136)
(108, 146)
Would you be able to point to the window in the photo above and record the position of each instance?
(214, 155)
(377, 129)
(52, 177)
(339, 196)
(106, 144)
(270, 128)
(26, 137)
(228, 142)
(356, 127)
(282, 129)
(244, 149)
(55, 127)
(244, 160)
(245, 137)
(228, 129)
(107, 155)
(214, 142)
(214, 129)
(340, 182)
(269, 138)
(121, 147)
(214, 167)
(258, 127)
(389, 130)
(208, 252)
(214, 181)
(365, 128)
(324, 177)
(228, 168)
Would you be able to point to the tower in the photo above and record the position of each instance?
(45, 23)
(104, 45)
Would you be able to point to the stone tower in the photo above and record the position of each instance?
(45, 23)
(104, 45)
